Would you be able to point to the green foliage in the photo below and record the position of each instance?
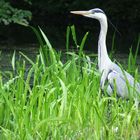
(132, 67)
(55, 100)
(9, 14)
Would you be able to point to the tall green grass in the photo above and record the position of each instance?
(55, 100)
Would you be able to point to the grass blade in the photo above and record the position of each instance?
(67, 38)
(74, 35)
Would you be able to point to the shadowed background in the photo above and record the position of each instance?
(54, 17)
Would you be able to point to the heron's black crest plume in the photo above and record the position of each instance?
(97, 10)
(114, 26)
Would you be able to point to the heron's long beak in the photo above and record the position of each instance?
(83, 13)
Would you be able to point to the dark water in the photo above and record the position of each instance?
(6, 54)
(31, 51)
(16, 35)
(20, 38)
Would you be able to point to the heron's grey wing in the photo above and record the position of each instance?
(123, 73)
(122, 82)
(117, 83)
(127, 77)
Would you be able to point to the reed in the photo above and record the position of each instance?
(62, 100)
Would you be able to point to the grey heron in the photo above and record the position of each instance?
(119, 80)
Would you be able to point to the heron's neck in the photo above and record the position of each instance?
(103, 58)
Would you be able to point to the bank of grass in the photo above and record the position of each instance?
(62, 100)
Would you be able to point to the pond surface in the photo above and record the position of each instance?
(19, 38)
(31, 50)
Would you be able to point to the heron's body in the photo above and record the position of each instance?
(119, 80)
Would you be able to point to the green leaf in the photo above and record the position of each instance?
(74, 35)
(83, 42)
(67, 38)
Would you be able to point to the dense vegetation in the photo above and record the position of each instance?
(61, 99)
(9, 14)
(57, 98)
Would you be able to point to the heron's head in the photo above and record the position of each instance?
(95, 13)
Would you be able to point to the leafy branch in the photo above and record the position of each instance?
(9, 14)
